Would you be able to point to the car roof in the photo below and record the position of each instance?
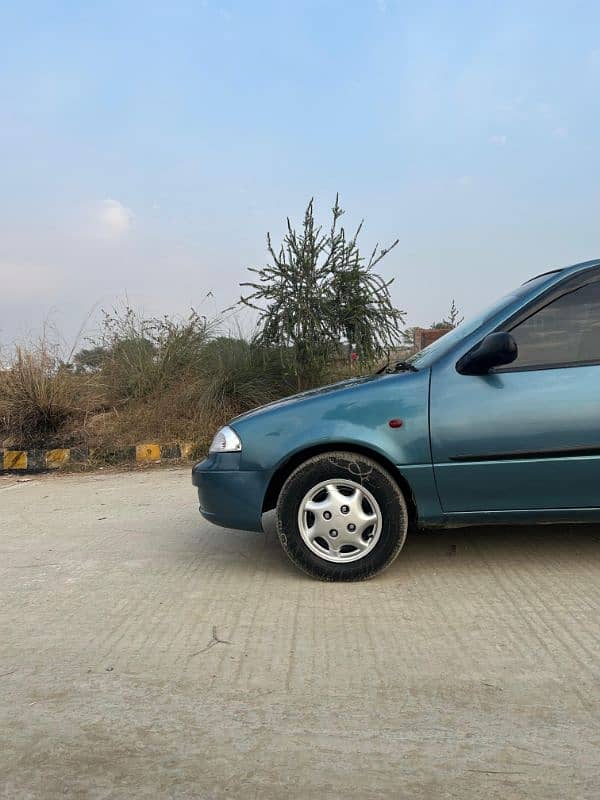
(568, 270)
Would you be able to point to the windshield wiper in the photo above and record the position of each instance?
(399, 366)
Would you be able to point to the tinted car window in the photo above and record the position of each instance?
(445, 343)
(566, 331)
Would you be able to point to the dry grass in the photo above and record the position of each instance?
(39, 397)
(141, 380)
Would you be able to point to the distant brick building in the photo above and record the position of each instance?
(425, 336)
(421, 338)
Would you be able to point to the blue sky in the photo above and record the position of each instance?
(146, 148)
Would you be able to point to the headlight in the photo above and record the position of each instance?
(226, 441)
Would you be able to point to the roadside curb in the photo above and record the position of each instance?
(40, 460)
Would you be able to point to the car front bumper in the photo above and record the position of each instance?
(228, 496)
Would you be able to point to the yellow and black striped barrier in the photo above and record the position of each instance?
(38, 460)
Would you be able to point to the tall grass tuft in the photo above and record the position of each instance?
(38, 394)
(138, 356)
(141, 379)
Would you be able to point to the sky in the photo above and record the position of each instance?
(146, 148)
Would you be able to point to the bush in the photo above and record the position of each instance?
(38, 394)
(141, 356)
(239, 375)
(142, 379)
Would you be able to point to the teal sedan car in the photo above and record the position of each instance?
(496, 422)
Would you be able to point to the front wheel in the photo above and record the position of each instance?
(341, 517)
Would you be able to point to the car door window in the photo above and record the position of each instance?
(566, 332)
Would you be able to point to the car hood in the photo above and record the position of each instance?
(311, 394)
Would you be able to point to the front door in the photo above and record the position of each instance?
(526, 436)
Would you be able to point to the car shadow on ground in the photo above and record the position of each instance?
(566, 546)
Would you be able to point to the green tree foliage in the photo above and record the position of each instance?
(319, 292)
(240, 375)
(408, 337)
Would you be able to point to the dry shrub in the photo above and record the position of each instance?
(142, 379)
(139, 357)
(171, 379)
(213, 381)
(38, 394)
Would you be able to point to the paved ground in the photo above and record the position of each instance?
(145, 654)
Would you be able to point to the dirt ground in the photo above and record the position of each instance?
(146, 654)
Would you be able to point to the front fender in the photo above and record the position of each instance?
(357, 415)
(354, 417)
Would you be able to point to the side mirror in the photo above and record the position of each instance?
(493, 351)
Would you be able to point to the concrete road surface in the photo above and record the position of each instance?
(146, 654)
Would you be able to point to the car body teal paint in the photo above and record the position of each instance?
(472, 448)
(356, 412)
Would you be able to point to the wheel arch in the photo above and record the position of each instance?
(285, 469)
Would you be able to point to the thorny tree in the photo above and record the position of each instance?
(319, 293)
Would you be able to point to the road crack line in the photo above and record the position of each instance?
(215, 640)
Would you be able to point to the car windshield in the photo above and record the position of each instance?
(444, 343)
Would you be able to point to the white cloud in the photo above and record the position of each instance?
(115, 219)
(498, 139)
(561, 133)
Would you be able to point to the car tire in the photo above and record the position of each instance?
(361, 502)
